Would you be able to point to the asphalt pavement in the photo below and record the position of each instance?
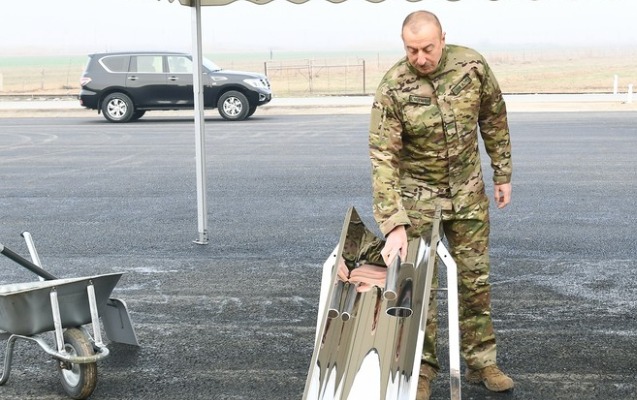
(235, 319)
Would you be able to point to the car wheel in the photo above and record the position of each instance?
(251, 111)
(233, 106)
(117, 107)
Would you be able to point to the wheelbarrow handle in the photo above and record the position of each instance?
(25, 263)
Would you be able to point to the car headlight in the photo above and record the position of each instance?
(257, 83)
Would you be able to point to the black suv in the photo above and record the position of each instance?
(123, 86)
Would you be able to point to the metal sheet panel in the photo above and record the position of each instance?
(25, 308)
(370, 354)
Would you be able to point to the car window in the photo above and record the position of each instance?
(115, 63)
(179, 64)
(146, 63)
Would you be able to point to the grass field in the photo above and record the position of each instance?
(297, 74)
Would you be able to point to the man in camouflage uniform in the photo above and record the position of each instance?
(424, 152)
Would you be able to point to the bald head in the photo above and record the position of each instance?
(417, 20)
(424, 41)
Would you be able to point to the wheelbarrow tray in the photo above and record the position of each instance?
(25, 308)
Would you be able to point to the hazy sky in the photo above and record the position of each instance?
(68, 27)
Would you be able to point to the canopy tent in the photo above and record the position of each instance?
(190, 3)
(200, 139)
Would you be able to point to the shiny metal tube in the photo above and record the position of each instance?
(391, 285)
(95, 319)
(32, 251)
(334, 309)
(57, 320)
(348, 303)
(402, 306)
(399, 289)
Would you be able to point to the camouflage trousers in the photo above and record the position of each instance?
(467, 236)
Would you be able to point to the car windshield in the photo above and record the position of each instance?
(212, 67)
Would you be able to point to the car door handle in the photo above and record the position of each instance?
(173, 78)
(132, 78)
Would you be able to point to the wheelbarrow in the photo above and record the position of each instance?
(64, 306)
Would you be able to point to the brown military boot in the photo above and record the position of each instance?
(494, 379)
(425, 376)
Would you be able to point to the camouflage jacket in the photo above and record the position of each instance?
(424, 135)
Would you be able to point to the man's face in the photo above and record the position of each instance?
(424, 47)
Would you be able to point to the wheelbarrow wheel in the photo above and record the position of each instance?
(78, 380)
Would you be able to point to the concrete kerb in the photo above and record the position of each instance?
(69, 106)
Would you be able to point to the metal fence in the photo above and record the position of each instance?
(312, 77)
(354, 75)
(287, 77)
(40, 80)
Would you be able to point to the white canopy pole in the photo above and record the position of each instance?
(200, 131)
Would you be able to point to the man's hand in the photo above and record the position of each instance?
(395, 245)
(342, 272)
(502, 194)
